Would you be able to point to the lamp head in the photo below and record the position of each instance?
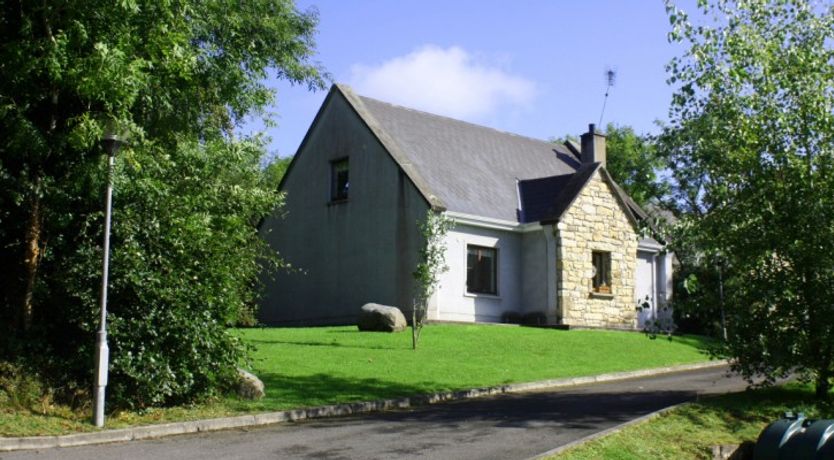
(112, 142)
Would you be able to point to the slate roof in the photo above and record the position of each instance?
(467, 168)
(538, 196)
(471, 169)
(565, 195)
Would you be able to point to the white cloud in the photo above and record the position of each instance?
(444, 81)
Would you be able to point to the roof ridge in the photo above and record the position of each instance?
(411, 109)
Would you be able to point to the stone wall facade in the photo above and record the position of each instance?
(596, 222)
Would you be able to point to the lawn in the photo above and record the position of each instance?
(314, 366)
(690, 431)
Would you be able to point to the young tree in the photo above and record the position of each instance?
(751, 148)
(179, 77)
(432, 264)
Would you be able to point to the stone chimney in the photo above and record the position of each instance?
(593, 146)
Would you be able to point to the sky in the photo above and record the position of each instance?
(530, 67)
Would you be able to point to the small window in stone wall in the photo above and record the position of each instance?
(481, 264)
(602, 272)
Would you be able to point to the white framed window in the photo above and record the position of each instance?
(481, 270)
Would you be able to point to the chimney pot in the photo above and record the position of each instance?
(593, 146)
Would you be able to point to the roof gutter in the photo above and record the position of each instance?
(492, 223)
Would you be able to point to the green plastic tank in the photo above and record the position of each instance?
(795, 437)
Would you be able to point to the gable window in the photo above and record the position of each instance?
(481, 264)
(339, 180)
(602, 272)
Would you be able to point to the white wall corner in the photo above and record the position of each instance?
(551, 244)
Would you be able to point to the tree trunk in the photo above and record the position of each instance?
(823, 385)
(31, 257)
(413, 328)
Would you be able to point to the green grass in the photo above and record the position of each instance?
(690, 431)
(314, 366)
(311, 366)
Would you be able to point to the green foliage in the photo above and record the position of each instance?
(275, 170)
(177, 78)
(633, 162)
(432, 264)
(21, 390)
(697, 307)
(751, 148)
(184, 271)
(186, 254)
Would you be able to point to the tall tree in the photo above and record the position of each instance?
(751, 148)
(178, 77)
(276, 169)
(633, 162)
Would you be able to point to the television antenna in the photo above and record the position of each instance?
(610, 77)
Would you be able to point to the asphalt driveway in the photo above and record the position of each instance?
(505, 427)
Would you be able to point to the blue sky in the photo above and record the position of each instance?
(531, 67)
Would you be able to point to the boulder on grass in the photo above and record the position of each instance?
(249, 386)
(382, 318)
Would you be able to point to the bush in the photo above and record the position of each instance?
(534, 318)
(21, 390)
(511, 317)
(185, 262)
(188, 261)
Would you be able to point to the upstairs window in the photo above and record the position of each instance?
(339, 180)
(602, 272)
(481, 264)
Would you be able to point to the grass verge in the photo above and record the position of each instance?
(690, 431)
(303, 367)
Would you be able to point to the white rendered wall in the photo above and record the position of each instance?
(538, 272)
(654, 279)
(664, 283)
(645, 287)
(453, 303)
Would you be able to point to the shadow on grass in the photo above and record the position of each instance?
(772, 401)
(313, 343)
(283, 392)
(707, 345)
(756, 407)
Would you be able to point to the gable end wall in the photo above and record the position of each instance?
(596, 222)
(343, 254)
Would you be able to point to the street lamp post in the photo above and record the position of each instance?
(111, 143)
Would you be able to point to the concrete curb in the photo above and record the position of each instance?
(606, 432)
(335, 410)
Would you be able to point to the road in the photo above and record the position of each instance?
(515, 426)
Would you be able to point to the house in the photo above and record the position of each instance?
(539, 228)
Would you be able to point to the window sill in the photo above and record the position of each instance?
(337, 202)
(482, 295)
(601, 295)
